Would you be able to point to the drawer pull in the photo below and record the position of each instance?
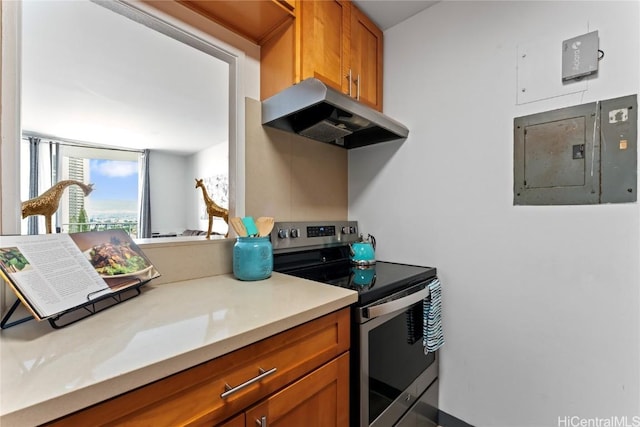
(230, 390)
(262, 422)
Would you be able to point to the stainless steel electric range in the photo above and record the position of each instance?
(394, 381)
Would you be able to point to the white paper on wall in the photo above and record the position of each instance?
(539, 72)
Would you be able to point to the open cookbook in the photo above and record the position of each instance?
(54, 273)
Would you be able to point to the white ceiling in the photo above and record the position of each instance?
(387, 13)
(89, 74)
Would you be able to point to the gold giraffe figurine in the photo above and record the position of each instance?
(47, 203)
(212, 208)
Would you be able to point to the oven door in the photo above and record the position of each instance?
(394, 369)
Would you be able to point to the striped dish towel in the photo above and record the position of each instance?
(432, 336)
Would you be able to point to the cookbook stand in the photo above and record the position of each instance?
(91, 307)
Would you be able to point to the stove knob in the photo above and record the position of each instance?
(353, 230)
(295, 232)
(283, 233)
(346, 230)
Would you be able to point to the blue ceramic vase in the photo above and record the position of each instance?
(252, 258)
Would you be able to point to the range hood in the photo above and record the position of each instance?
(314, 110)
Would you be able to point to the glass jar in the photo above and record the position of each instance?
(252, 258)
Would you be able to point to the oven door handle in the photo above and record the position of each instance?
(395, 305)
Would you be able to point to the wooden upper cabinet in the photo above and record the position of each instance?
(331, 40)
(324, 50)
(366, 59)
(291, 4)
(255, 20)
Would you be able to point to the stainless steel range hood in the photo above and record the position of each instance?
(316, 111)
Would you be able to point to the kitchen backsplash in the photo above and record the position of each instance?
(292, 178)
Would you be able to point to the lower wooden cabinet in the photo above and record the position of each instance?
(301, 374)
(237, 421)
(320, 399)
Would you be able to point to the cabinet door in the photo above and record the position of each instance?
(278, 61)
(324, 28)
(237, 421)
(320, 399)
(366, 59)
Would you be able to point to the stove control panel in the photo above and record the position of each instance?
(321, 231)
(298, 235)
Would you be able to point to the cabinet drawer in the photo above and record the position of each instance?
(193, 396)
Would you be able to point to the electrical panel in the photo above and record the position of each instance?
(585, 154)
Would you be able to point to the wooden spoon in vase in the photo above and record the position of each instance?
(238, 226)
(265, 225)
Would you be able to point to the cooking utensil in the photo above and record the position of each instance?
(238, 226)
(250, 226)
(265, 225)
(364, 252)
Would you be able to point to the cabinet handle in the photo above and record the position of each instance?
(262, 422)
(358, 88)
(348, 76)
(230, 390)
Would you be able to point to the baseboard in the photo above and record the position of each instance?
(447, 420)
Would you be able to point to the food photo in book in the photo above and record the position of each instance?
(116, 257)
(13, 260)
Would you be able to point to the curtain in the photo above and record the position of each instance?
(54, 168)
(34, 172)
(42, 168)
(144, 216)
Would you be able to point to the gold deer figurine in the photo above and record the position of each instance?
(212, 208)
(47, 203)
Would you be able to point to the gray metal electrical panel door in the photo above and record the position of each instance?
(618, 152)
(584, 154)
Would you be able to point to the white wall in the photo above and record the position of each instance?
(205, 164)
(176, 204)
(541, 304)
(168, 194)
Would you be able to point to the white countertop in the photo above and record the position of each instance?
(46, 373)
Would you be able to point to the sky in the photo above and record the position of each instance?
(115, 186)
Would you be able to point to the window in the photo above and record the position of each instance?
(232, 93)
(113, 201)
